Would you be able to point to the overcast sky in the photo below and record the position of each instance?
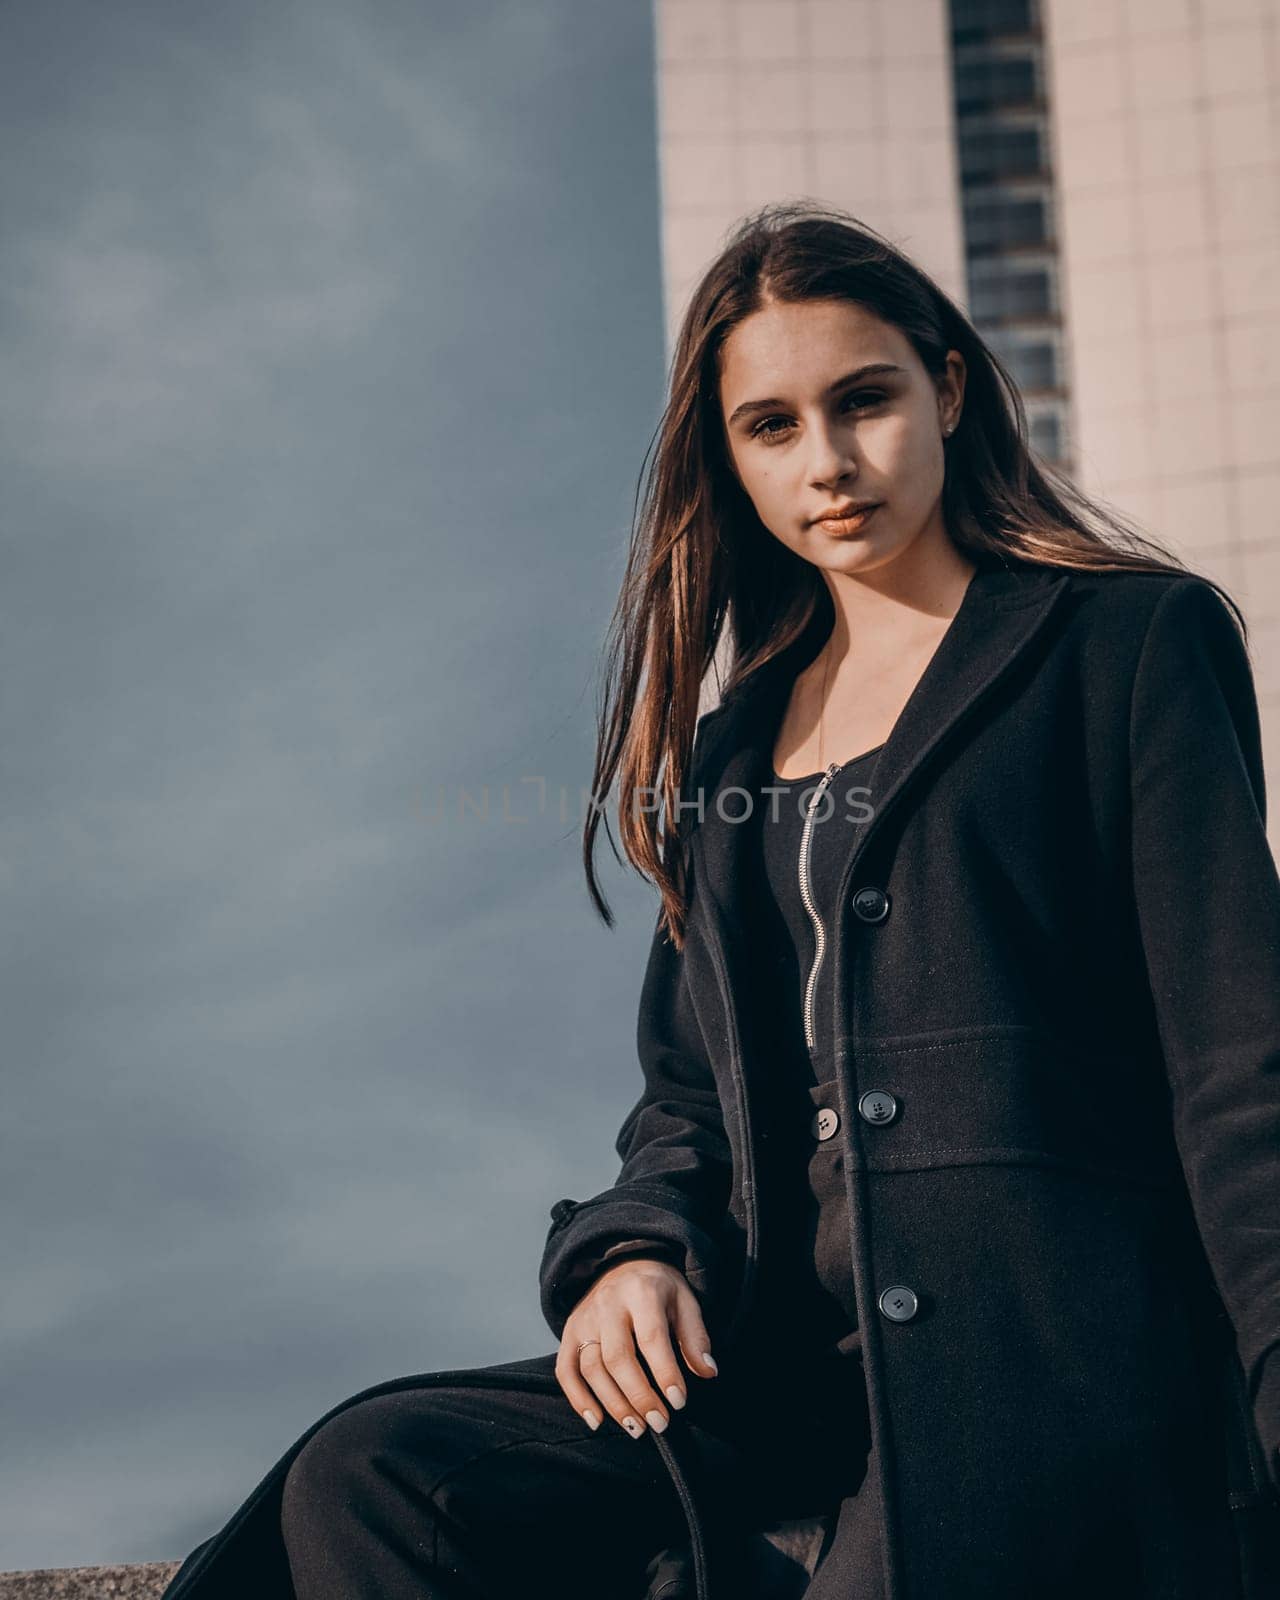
(332, 345)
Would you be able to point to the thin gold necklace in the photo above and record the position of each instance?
(822, 706)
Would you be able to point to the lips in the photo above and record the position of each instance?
(846, 513)
(847, 520)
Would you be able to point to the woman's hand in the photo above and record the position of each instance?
(638, 1302)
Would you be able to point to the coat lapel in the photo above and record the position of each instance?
(1002, 611)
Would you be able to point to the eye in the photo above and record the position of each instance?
(859, 399)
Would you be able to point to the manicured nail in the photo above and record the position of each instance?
(591, 1419)
(676, 1396)
(633, 1426)
(706, 1357)
(656, 1421)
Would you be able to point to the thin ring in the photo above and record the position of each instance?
(585, 1343)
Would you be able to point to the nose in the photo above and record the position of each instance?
(832, 457)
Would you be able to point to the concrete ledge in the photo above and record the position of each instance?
(783, 1560)
(89, 1583)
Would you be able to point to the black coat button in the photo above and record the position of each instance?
(563, 1209)
(877, 1106)
(825, 1122)
(899, 1304)
(870, 903)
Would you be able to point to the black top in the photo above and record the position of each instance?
(795, 868)
(800, 857)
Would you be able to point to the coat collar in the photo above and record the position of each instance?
(1003, 609)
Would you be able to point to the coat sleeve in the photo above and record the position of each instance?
(1208, 903)
(626, 1248)
(673, 1185)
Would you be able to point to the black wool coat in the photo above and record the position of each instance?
(1058, 950)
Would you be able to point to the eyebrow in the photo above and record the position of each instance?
(748, 408)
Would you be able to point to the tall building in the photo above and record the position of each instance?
(1097, 182)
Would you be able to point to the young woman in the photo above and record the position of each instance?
(945, 1248)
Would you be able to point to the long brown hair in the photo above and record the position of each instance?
(701, 560)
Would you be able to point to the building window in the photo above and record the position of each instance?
(1046, 434)
(1000, 150)
(981, 19)
(995, 221)
(1032, 362)
(985, 83)
(1008, 291)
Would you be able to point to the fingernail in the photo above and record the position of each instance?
(707, 1361)
(656, 1421)
(633, 1427)
(591, 1419)
(676, 1396)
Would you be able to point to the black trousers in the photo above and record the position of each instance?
(478, 1493)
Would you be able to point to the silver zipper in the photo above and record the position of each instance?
(819, 932)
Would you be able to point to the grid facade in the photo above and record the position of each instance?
(1166, 121)
(844, 101)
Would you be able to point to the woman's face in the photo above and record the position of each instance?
(810, 428)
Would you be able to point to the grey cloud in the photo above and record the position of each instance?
(319, 430)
